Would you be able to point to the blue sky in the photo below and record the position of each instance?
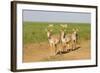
(51, 16)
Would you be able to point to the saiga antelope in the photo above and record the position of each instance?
(65, 38)
(53, 40)
(74, 38)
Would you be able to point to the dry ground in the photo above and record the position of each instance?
(41, 52)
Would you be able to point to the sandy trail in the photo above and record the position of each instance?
(41, 52)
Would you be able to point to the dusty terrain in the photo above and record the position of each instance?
(41, 52)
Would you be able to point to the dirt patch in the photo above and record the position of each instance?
(41, 52)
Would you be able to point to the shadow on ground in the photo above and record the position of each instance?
(68, 51)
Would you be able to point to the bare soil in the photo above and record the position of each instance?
(35, 52)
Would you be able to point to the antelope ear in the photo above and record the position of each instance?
(64, 25)
(50, 25)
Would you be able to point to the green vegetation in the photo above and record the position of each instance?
(34, 32)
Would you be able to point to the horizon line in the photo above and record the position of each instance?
(56, 22)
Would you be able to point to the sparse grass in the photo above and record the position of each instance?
(34, 32)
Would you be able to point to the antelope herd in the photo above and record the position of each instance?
(67, 41)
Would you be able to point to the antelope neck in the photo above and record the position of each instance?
(62, 35)
(49, 35)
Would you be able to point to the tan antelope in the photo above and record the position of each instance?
(53, 40)
(74, 38)
(65, 38)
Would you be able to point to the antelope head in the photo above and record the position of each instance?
(75, 30)
(49, 30)
(63, 29)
